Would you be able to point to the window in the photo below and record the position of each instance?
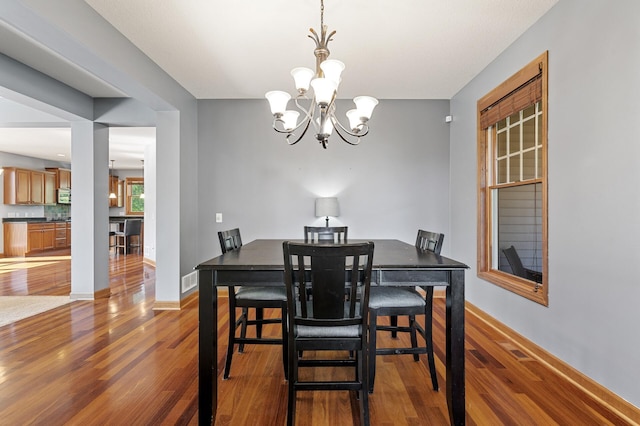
(512, 183)
(135, 196)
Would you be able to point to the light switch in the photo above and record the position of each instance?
(218, 217)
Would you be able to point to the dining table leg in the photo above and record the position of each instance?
(207, 348)
(455, 348)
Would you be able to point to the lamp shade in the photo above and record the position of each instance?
(324, 90)
(302, 76)
(365, 105)
(327, 206)
(277, 101)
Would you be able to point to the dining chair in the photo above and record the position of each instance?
(409, 302)
(131, 228)
(328, 321)
(335, 234)
(518, 268)
(246, 297)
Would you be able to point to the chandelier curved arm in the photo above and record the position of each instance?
(339, 128)
(308, 113)
(289, 132)
(308, 116)
(301, 135)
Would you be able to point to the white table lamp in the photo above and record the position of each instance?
(327, 206)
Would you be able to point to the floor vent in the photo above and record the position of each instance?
(189, 281)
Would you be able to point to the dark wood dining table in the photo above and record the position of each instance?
(261, 262)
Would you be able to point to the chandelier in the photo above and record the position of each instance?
(324, 81)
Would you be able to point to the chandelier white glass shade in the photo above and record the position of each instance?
(324, 81)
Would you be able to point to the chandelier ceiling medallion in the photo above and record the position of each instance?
(324, 81)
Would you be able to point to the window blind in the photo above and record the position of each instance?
(517, 100)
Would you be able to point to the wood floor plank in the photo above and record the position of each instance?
(116, 361)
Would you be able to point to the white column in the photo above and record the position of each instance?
(168, 205)
(89, 210)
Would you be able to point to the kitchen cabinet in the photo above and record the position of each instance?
(37, 187)
(61, 234)
(28, 238)
(50, 188)
(116, 186)
(63, 177)
(41, 236)
(23, 186)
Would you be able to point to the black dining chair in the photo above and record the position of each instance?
(123, 239)
(409, 302)
(327, 321)
(322, 234)
(247, 297)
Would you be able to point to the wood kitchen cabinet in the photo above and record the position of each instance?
(113, 189)
(37, 187)
(61, 234)
(28, 238)
(116, 186)
(50, 188)
(63, 177)
(23, 186)
(41, 236)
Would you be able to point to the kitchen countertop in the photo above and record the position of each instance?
(34, 219)
(123, 218)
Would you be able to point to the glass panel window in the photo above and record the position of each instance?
(135, 196)
(512, 184)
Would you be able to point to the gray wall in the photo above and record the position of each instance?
(393, 183)
(594, 196)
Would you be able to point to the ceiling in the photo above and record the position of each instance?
(243, 48)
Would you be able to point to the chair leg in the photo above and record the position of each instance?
(285, 341)
(373, 319)
(232, 333)
(291, 390)
(243, 330)
(361, 372)
(394, 323)
(414, 337)
(259, 319)
(428, 337)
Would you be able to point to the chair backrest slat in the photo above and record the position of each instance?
(332, 234)
(430, 241)
(326, 270)
(230, 240)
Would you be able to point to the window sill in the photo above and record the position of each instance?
(517, 285)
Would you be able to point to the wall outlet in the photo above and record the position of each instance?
(218, 217)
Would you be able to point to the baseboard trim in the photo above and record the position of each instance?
(174, 306)
(149, 262)
(104, 293)
(166, 306)
(614, 402)
(184, 302)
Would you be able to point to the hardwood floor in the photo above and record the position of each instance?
(116, 361)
